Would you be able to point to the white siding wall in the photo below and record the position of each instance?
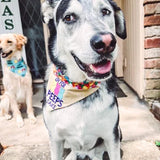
(134, 45)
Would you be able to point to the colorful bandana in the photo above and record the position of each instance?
(61, 92)
(17, 66)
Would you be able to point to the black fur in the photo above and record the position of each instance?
(85, 158)
(114, 5)
(61, 9)
(86, 101)
(116, 130)
(111, 85)
(122, 34)
(50, 1)
(52, 39)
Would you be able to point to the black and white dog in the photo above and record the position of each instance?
(80, 107)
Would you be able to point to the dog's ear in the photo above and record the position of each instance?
(120, 24)
(119, 20)
(47, 10)
(21, 40)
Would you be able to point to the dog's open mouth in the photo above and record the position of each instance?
(100, 70)
(4, 55)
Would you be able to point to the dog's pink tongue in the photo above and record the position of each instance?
(101, 68)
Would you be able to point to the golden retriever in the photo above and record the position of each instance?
(17, 79)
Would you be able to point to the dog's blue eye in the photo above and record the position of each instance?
(70, 18)
(105, 12)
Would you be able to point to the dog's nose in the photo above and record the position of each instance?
(0, 49)
(103, 43)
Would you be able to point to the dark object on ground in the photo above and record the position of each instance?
(1, 148)
(155, 109)
(119, 92)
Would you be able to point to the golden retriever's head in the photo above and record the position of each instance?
(11, 43)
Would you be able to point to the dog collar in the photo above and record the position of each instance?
(61, 92)
(17, 66)
(81, 85)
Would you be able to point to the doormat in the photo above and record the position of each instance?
(119, 92)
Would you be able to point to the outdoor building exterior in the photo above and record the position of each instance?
(152, 49)
(152, 54)
(139, 55)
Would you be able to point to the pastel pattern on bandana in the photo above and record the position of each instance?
(56, 90)
(61, 92)
(17, 66)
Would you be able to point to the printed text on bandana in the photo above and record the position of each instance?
(55, 93)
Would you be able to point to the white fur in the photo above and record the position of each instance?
(80, 127)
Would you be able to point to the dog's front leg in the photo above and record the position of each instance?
(56, 149)
(113, 148)
(29, 107)
(17, 113)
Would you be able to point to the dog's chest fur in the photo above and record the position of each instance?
(84, 122)
(16, 84)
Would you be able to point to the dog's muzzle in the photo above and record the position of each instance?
(97, 71)
(103, 45)
(4, 55)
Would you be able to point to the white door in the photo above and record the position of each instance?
(132, 56)
(133, 47)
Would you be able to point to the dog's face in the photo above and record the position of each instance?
(10, 44)
(86, 31)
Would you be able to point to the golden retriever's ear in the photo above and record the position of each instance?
(21, 40)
